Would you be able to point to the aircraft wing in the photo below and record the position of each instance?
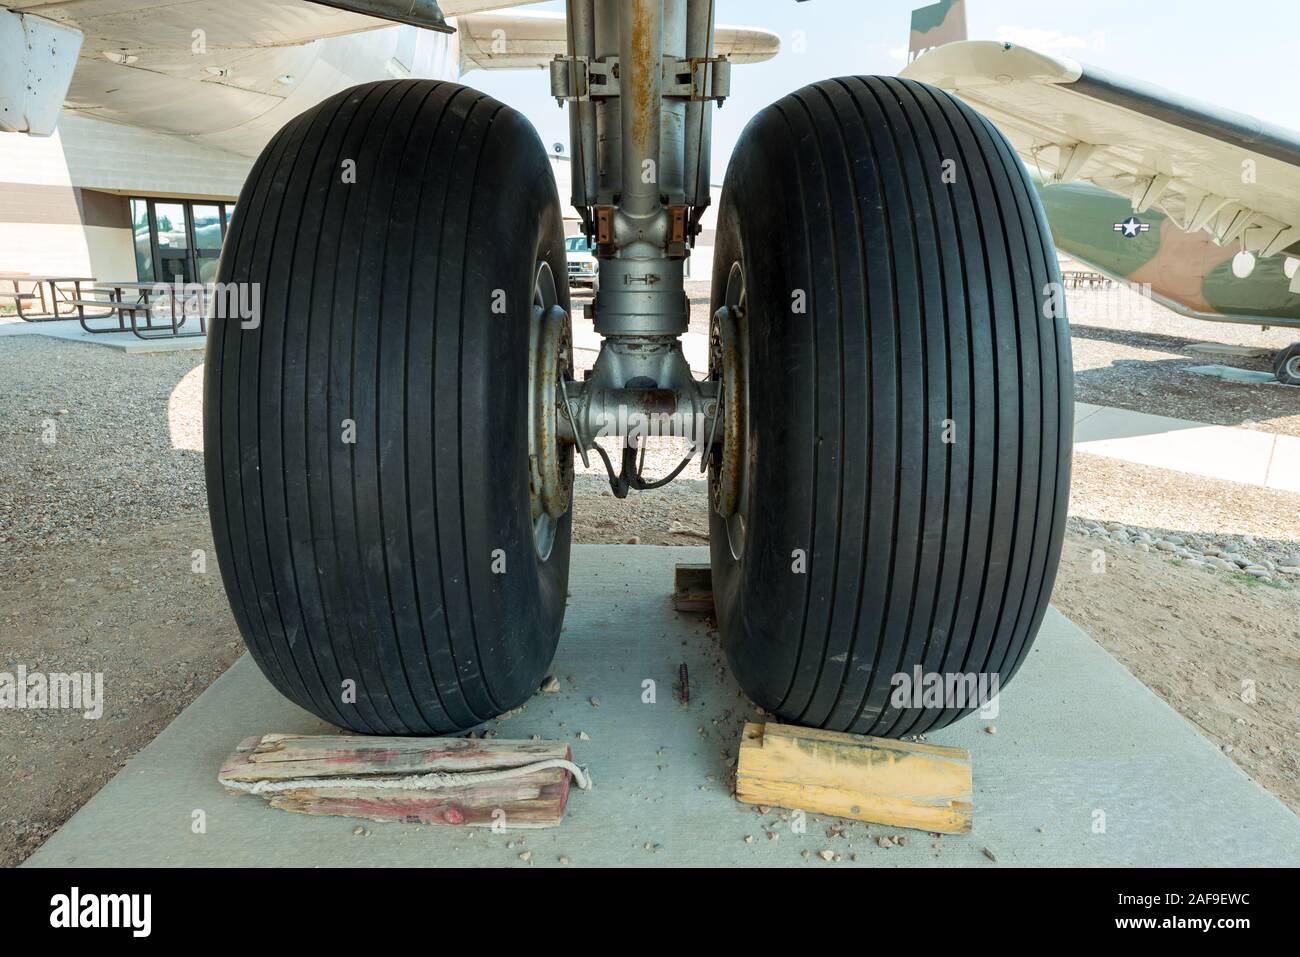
(532, 38)
(181, 66)
(1206, 167)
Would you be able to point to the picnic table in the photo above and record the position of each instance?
(59, 295)
(1085, 279)
(127, 301)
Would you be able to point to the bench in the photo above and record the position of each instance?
(1079, 279)
(118, 307)
(117, 310)
(49, 308)
(17, 298)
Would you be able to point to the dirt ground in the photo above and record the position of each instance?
(98, 533)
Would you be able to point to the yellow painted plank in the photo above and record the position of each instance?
(900, 783)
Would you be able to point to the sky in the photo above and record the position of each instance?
(1239, 54)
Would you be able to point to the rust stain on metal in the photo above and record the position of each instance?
(677, 224)
(658, 401)
(642, 70)
(727, 487)
(604, 225)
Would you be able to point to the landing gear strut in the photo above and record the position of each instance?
(639, 79)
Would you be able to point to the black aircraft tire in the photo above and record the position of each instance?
(902, 485)
(366, 435)
(1286, 365)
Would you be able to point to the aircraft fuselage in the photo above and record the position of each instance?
(1187, 272)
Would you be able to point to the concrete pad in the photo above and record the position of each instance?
(1077, 735)
(1284, 467)
(128, 342)
(1227, 349)
(1083, 411)
(1108, 424)
(1215, 451)
(1229, 374)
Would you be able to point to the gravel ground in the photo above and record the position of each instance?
(1158, 500)
(97, 530)
(93, 441)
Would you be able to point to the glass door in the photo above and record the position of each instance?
(171, 229)
(142, 236)
(209, 227)
(178, 240)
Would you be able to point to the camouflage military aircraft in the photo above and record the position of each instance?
(1199, 203)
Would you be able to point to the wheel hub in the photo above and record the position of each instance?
(728, 472)
(550, 360)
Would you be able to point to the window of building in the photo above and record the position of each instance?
(143, 241)
(178, 240)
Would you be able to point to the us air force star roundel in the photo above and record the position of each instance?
(1131, 227)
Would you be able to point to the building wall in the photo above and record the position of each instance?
(45, 181)
(45, 249)
(63, 198)
(127, 159)
(64, 207)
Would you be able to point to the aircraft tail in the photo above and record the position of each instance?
(935, 25)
